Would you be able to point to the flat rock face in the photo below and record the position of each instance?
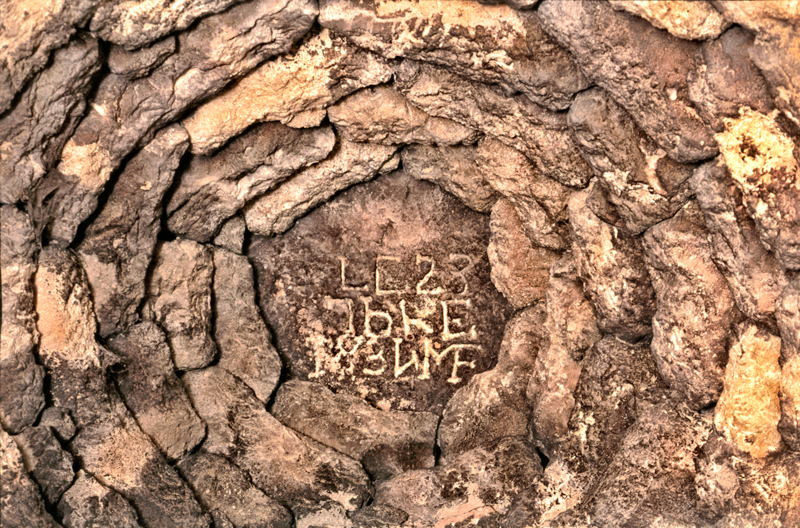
(384, 293)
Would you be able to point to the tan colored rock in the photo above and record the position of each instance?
(749, 409)
(789, 426)
(324, 69)
(686, 19)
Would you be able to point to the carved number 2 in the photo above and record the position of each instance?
(426, 278)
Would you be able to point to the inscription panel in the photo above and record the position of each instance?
(384, 293)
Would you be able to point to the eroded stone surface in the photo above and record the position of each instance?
(682, 18)
(138, 63)
(49, 465)
(231, 234)
(89, 504)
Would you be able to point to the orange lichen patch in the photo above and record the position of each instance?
(749, 409)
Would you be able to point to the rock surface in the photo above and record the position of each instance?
(87, 503)
(682, 18)
(49, 465)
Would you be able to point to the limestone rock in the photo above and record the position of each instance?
(490, 44)
(493, 405)
(753, 274)
(153, 392)
(33, 133)
(221, 486)
(59, 421)
(682, 18)
(136, 64)
(49, 465)
(89, 504)
(21, 379)
(543, 136)
(386, 442)
(124, 114)
(282, 463)
(118, 245)
(694, 307)
(519, 269)
(324, 69)
(382, 115)
(231, 234)
(612, 267)
(636, 176)
(245, 343)
(212, 189)
(763, 161)
(349, 163)
(605, 42)
(179, 299)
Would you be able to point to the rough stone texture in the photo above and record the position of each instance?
(125, 114)
(282, 463)
(322, 514)
(361, 307)
(643, 69)
(694, 307)
(378, 517)
(789, 424)
(612, 266)
(179, 299)
(214, 188)
(20, 502)
(383, 115)
(635, 175)
(477, 484)
(324, 69)
(349, 163)
(153, 392)
(493, 405)
(30, 32)
(89, 504)
(118, 245)
(753, 273)
(543, 136)
(787, 312)
(231, 234)
(59, 421)
(21, 379)
(386, 442)
(136, 64)
(489, 44)
(763, 160)
(519, 269)
(682, 18)
(221, 486)
(49, 465)
(44, 116)
(244, 342)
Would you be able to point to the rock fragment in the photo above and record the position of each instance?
(231, 234)
(59, 421)
(49, 465)
(378, 517)
(136, 64)
(787, 313)
(89, 504)
(682, 18)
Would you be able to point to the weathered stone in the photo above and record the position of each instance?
(89, 504)
(479, 483)
(787, 312)
(324, 69)
(179, 299)
(59, 421)
(49, 465)
(753, 274)
(30, 32)
(694, 307)
(118, 245)
(519, 268)
(384, 293)
(789, 424)
(516, 4)
(212, 189)
(643, 68)
(285, 465)
(543, 136)
(21, 379)
(349, 163)
(153, 392)
(490, 44)
(125, 114)
(375, 516)
(493, 405)
(231, 234)
(33, 133)
(612, 266)
(386, 442)
(131, 24)
(245, 343)
(136, 64)
(383, 115)
(763, 161)
(724, 79)
(220, 485)
(682, 18)
(20, 502)
(636, 176)
(321, 515)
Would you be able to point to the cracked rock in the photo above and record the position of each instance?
(139, 63)
(48, 464)
(89, 504)
(690, 20)
(231, 234)
(20, 501)
(59, 421)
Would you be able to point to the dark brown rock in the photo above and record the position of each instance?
(694, 307)
(48, 464)
(136, 64)
(644, 69)
(118, 245)
(59, 421)
(89, 504)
